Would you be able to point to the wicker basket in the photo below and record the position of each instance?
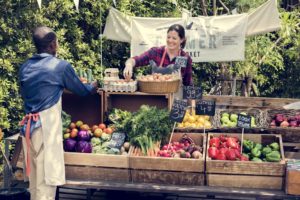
(256, 113)
(269, 115)
(159, 87)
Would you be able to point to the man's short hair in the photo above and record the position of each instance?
(42, 37)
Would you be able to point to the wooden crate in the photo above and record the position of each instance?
(176, 171)
(97, 167)
(293, 182)
(243, 174)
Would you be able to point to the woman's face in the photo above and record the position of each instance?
(173, 40)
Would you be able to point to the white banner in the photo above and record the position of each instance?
(220, 38)
(216, 38)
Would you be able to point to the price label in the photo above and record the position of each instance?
(244, 121)
(192, 92)
(205, 107)
(178, 110)
(180, 62)
(117, 140)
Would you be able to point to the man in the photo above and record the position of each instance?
(43, 78)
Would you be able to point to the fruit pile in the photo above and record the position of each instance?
(281, 120)
(230, 119)
(191, 120)
(77, 136)
(185, 148)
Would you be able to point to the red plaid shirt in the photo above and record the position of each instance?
(156, 54)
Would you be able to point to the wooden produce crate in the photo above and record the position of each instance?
(174, 171)
(293, 182)
(97, 167)
(256, 113)
(132, 101)
(247, 174)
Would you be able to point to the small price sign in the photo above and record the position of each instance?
(117, 140)
(192, 92)
(205, 107)
(244, 121)
(178, 110)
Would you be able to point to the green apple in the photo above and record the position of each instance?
(225, 119)
(253, 122)
(233, 117)
(243, 113)
(66, 135)
(225, 114)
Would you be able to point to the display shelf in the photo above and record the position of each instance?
(132, 101)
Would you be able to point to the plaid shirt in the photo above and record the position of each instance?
(156, 54)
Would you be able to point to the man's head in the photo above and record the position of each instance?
(45, 40)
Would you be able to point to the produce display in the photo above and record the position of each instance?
(145, 128)
(230, 119)
(229, 148)
(185, 148)
(281, 120)
(159, 77)
(191, 120)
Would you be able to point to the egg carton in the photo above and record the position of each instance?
(113, 86)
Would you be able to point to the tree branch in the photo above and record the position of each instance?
(221, 2)
(204, 7)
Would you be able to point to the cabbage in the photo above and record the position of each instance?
(83, 135)
(69, 144)
(83, 147)
(95, 141)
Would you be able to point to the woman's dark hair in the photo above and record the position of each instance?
(180, 30)
(42, 37)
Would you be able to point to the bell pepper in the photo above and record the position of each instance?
(266, 150)
(256, 159)
(255, 152)
(273, 156)
(274, 146)
(248, 145)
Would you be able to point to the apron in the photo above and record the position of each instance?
(50, 122)
(171, 69)
(54, 164)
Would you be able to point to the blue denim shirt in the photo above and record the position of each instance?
(43, 79)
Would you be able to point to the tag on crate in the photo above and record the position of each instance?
(117, 140)
(178, 110)
(205, 107)
(244, 121)
(192, 92)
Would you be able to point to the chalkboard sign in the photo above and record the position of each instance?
(244, 121)
(192, 92)
(205, 107)
(178, 110)
(117, 140)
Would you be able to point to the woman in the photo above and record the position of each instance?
(165, 59)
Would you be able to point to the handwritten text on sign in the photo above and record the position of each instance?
(244, 121)
(205, 107)
(178, 110)
(192, 92)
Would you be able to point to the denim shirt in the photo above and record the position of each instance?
(43, 79)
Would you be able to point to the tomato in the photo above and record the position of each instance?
(102, 126)
(108, 130)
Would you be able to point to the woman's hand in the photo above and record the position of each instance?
(127, 72)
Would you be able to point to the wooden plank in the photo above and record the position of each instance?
(91, 173)
(167, 177)
(244, 181)
(250, 168)
(163, 188)
(292, 155)
(167, 164)
(293, 182)
(254, 102)
(99, 160)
